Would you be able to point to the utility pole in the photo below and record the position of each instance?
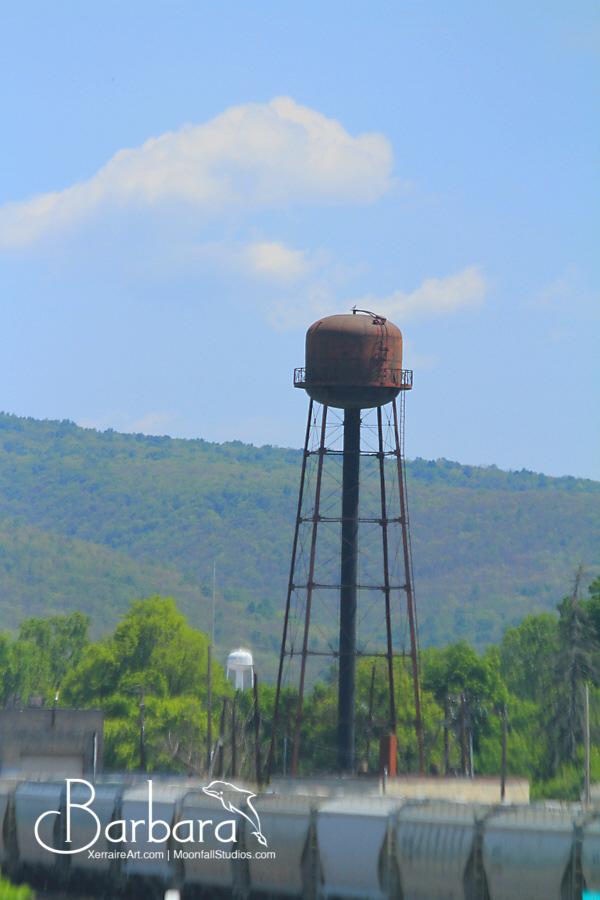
(138, 689)
(142, 732)
(213, 599)
(233, 740)
(463, 737)
(288, 734)
(503, 765)
(370, 720)
(257, 731)
(587, 742)
(209, 710)
(446, 735)
(221, 739)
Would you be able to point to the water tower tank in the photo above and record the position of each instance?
(241, 664)
(353, 361)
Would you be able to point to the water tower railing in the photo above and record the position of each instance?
(402, 378)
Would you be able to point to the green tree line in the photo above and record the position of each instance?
(150, 676)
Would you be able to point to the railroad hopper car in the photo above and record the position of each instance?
(291, 846)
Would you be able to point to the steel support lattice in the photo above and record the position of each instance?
(337, 519)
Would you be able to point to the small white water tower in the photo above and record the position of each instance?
(241, 664)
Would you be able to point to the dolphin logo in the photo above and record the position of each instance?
(218, 788)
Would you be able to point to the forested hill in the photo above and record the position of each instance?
(91, 520)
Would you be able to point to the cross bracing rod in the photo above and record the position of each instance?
(361, 587)
(335, 653)
(373, 453)
(363, 520)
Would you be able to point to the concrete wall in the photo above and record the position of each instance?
(51, 742)
(480, 789)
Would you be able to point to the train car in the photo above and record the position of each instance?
(8, 841)
(39, 803)
(100, 868)
(590, 852)
(213, 841)
(528, 853)
(149, 811)
(212, 862)
(435, 847)
(355, 848)
(288, 825)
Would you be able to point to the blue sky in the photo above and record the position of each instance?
(186, 187)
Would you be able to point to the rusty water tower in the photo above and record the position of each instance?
(353, 370)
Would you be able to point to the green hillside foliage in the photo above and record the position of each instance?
(92, 520)
(150, 677)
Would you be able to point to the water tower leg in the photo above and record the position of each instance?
(309, 590)
(348, 590)
(386, 573)
(412, 624)
(275, 724)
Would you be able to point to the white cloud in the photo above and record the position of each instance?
(250, 157)
(320, 296)
(269, 262)
(435, 297)
(275, 262)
